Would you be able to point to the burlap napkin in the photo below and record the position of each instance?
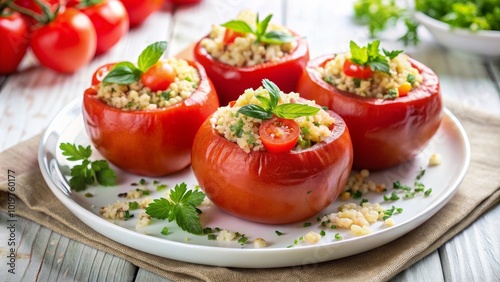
(479, 191)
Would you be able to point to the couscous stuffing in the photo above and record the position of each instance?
(136, 96)
(245, 51)
(357, 218)
(244, 130)
(397, 81)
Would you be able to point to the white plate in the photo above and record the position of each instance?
(482, 42)
(450, 141)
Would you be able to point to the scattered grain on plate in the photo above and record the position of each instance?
(116, 210)
(144, 220)
(259, 243)
(145, 202)
(357, 218)
(435, 159)
(134, 194)
(358, 184)
(312, 237)
(226, 235)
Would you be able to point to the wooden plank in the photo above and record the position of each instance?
(427, 269)
(474, 254)
(146, 276)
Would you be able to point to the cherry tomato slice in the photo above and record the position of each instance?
(159, 76)
(230, 36)
(357, 71)
(279, 135)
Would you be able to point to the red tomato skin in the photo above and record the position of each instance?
(14, 38)
(110, 20)
(184, 2)
(65, 44)
(384, 133)
(149, 143)
(274, 188)
(159, 76)
(230, 82)
(139, 10)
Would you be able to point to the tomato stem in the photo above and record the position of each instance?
(43, 19)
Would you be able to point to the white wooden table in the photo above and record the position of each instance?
(29, 100)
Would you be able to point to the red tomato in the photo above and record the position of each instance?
(384, 133)
(159, 76)
(65, 44)
(110, 20)
(230, 82)
(357, 71)
(279, 135)
(230, 35)
(14, 38)
(267, 187)
(36, 8)
(101, 72)
(184, 2)
(139, 10)
(150, 143)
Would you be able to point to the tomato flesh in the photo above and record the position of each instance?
(159, 76)
(357, 71)
(279, 135)
(230, 36)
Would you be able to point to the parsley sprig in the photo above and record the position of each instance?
(370, 56)
(88, 172)
(181, 207)
(127, 73)
(270, 37)
(270, 106)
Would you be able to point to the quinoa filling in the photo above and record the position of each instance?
(244, 50)
(136, 96)
(244, 130)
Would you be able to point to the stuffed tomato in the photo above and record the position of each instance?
(272, 158)
(147, 126)
(240, 53)
(390, 102)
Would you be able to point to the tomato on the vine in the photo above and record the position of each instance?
(139, 10)
(14, 38)
(279, 135)
(66, 43)
(35, 7)
(159, 76)
(357, 71)
(109, 18)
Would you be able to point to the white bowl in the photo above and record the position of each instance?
(483, 42)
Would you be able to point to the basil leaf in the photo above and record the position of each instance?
(392, 54)
(151, 55)
(238, 26)
(123, 73)
(277, 37)
(359, 55)
(274, 91)
(266, 103)
(255, 111)
(262, 26)
(380, 64)
(290, 111)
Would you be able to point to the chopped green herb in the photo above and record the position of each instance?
(420, 173)
(306, 224)
(363, 201)
(270, 37)
(411, 79)
(409, 195)
(322, 233)
(237, 128)
(419, 187)
(88, 172)
(127, 215)
(389, 212)
(161, 187)
(391, 94)
(207, 230)
(357, 195)
(278, 233)
(212, 237)
(142, 181)
(428, 192)
(398, 185)
(243, 240)
(337, 236)
(357, 82)
(329, 79)
(133, 205)
(164, 231)
(333, 226)
(393, 197)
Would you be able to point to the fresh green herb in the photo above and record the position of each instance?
(333, 226)
(304, 144)
(337, 236)
(207, 230)
(363, 201)
(270, 37)
(164, 231)
(127, 72)
(411, 79)
(391, 94)
(181, 208)
(389, 212)
(306, 224)
(142, 181)
(329, 80)
(397, 185)
(127, 215)
(370, 56)
(270, 106)
(357, 82)
(420, 173)
(428, 192)
(357, 195)
(322, 233)
(237, 128)
(88, 172)
(393, 197)
(278, 233)
(133, 205)
(212, 237)
(419, 187)
(409, 195)
(161, 187)
(242, 240)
